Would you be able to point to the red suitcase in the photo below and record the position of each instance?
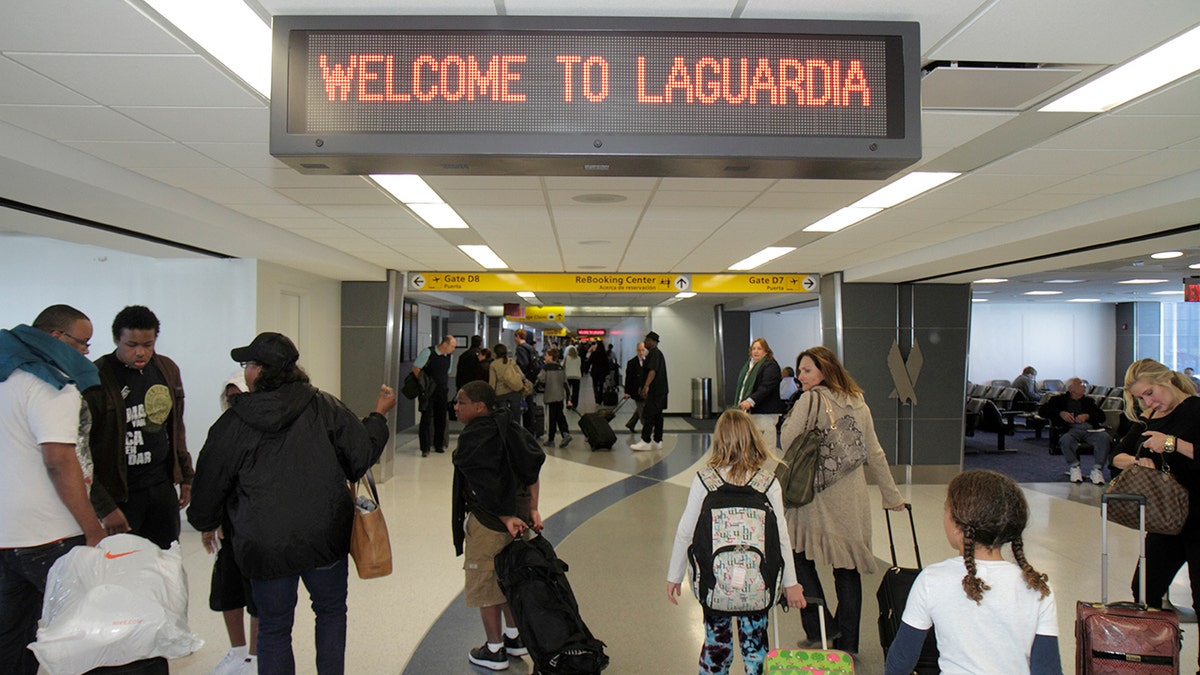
(1124, 637)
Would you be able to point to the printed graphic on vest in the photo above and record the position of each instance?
(145, 418)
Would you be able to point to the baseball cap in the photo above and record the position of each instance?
(269, 349)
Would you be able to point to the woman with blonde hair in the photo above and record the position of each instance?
(758, 389)
(835, 527)
(1166, 414)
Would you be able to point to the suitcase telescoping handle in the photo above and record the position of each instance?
(812, 602)
(1117, 497)
(912, 524)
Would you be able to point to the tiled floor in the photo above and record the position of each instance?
(612, 516)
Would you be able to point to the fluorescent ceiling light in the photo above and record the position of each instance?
(841, 219)
(762, 257)
(439, 216)
(1084, 300)
(1194, 266)
(904, 189)
(229, 31)
(527, 294)
(1143, 281)
(408, 188)
(1043, 292)
(979, 299)
(1167, 293)
(991, 281)
(484, 256)
(1063, 281)
(1166, 255)
(685, 295)
(1162, 65)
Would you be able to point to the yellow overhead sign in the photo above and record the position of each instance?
(493, 282)
(538, 313)
(555, 332)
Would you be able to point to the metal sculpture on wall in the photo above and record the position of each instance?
(905, 373)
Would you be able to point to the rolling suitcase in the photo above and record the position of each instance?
(1124, 637)
(807, 661)
(539, 418)
(598, 432)
(893, 596)
(534, 582)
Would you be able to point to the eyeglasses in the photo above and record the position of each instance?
(248, 363)
(72, 338)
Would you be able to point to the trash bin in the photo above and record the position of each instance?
(701, 398)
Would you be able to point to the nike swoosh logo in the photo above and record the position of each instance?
(113, 556)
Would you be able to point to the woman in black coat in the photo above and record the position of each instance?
(598, 368)
(758, 389)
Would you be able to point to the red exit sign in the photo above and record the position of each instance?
(591, 332)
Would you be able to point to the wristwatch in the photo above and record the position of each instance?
(1169, 444)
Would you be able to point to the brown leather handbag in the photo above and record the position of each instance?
(1166, 499)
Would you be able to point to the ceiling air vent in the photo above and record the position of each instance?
(976, 85)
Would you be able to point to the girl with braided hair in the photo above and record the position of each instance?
(990, 615)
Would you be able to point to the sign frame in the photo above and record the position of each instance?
(580, 152)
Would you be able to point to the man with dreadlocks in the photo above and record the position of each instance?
(990, 615)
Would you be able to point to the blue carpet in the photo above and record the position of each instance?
(1031, 463)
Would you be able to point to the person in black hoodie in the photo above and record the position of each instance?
(278, 460)
(496, 467)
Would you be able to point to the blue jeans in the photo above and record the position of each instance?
(844, 623)
(22, 584)
(276, 600)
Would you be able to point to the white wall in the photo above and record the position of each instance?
(689, 346)
(1061, 340)
(788, 332)
(625, 337)
(205, 306)
(308, 309)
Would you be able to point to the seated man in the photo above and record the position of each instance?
(1076, 417)
(1026, 384)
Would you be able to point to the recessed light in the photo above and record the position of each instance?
(1063, 281)
(1166, 255)
(1194, 266)
(1167, 293)
(599, 198)
(1043, 292)
(527, 294)
(685, 295)
(979, 299)
(1143, 281)
(991, 281)
(1085, 300)
(762, 257)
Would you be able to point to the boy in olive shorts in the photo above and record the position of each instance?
(496, 467)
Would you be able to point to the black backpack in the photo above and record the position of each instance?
(737, 567)
(535, 584)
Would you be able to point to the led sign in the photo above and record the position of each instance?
(595, 96)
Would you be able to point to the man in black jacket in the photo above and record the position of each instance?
(635, 376)
(1077, 418)
(530, 365)
(496, 467)
(278, 460)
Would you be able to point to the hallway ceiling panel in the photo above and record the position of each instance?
(106, 114)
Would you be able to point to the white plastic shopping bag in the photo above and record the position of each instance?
(112, 604)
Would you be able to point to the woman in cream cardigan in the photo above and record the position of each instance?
(835, 527)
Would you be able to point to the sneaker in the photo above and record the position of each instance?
(1076, 475)
(514, 646)
(656, 445)
(549, 443)
(565, 441)
(1097, 476)
(424, 453)
(482, 656)
(642, 446)
(232, 663)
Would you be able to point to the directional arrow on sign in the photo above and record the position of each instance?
(418, 281)
(809, 283)
(682, 282)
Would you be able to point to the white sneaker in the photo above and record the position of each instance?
(250, 665)
(1076, 474)
(642, 446)
(1097, 476)
(656, 445)
(232, 663)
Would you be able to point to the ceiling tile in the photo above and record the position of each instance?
(241, 155)
(145, 155)
(205, 124)
(1128, 132)
(338, 196)
(1047, 162)
(23, 86)
(137, 80)
(73, 26)
(1163, 163)
(77, 123)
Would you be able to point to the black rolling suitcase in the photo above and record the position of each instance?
(534, 582)
(893, 595)
(539, 418)
(598, 432)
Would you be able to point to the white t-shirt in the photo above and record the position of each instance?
(995, 636)
(33, 412)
